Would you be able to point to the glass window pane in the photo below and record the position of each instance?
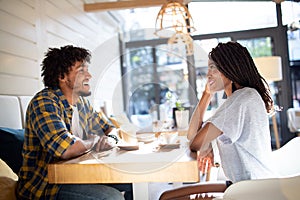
(216, 17)
(290, 12)
(258, 47)
(294, 45)
(291, 18)
(149, 79)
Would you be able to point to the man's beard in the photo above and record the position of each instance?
(84, 94)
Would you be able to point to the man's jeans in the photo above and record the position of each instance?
(94, 191)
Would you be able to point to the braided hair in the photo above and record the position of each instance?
(58, 62)
(235, 62)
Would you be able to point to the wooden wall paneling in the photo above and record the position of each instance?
(56, 41)
(29, 27)
(31, 3)
(19, 85)
(84, 17)
(59, 30)
(42, 41)
(19, 9)
(107, 23)
(75, 11)
(18, 66)
(18, 51)
(17, 46)
(64, 17)
(16, 26)
(99, 22)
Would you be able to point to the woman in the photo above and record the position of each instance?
(241, 124)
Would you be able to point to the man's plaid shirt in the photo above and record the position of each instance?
(48, 135)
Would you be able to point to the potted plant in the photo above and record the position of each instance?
(181, 115)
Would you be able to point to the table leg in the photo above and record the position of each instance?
(140, 191)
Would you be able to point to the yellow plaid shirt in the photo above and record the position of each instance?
(48, 135)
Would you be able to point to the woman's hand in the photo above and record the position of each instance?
(208, 90)
(205, 160)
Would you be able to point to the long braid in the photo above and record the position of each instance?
(235, 62)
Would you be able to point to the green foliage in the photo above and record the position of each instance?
(179, 105)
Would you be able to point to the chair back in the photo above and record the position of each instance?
(293, 116)
(10, 112)
(286, 160)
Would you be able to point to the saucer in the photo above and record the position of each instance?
(145, 137)
(170, 146)
(128, 147)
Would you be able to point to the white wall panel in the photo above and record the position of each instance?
(55, 28)
(17, 26)
(29, 27)
(17, 85)
(31, 3)
(57, 41)
(19, 9)
(17, 46)
(59, 15)
(18, 66)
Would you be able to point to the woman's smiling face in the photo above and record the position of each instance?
(216, 80)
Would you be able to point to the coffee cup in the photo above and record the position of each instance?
(168, 137)
(128, 133)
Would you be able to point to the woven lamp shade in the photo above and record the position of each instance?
(173, 17)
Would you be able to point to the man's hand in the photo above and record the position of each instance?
(103, 144)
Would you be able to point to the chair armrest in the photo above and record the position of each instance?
(186, 191)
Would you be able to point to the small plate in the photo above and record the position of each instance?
(170, 146)
(128, 147)
(145, 137)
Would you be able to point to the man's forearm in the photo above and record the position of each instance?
(79, 147)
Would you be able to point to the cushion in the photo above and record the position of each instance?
(11, 145)
(7, 188)
(8, 180)
(284, 158)
(262, 189)
(6, 171)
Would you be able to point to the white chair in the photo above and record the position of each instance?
(286, 187)
(293, 116)
(10, 112)
(24, 101)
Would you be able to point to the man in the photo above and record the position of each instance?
(61, 124)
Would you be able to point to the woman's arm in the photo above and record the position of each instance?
(204, 136)
(198, 115)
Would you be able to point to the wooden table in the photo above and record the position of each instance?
(148, 164)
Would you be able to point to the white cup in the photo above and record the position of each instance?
(128, 133)
(157, 126)
(168, 137)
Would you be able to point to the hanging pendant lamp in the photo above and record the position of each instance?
(173, 17)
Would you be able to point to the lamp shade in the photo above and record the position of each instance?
(269, 67)
(173, 17)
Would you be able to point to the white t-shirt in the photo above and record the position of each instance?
(76, 128)
(245, 145)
